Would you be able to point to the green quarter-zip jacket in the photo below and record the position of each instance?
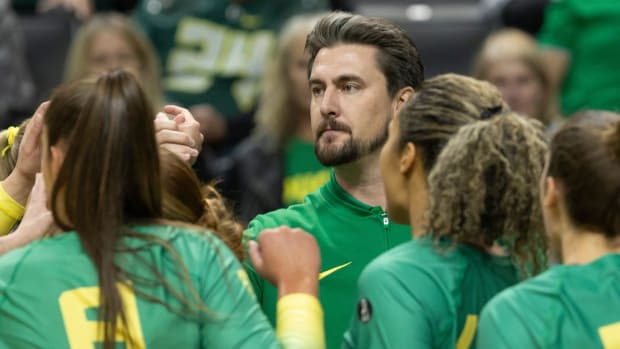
(350, 234)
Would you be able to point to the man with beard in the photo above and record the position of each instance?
(361, 71)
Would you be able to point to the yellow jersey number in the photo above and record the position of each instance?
(84, 333)
(610, 336)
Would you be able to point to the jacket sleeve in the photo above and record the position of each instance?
(237, 319)
(560, 27)
(251, 233)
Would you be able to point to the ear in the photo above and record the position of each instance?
(401, 97)
(57, 157)
(551, 194)
(407, 159)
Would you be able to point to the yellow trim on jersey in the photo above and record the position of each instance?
(469, 331)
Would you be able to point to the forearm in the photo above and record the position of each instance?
(12, 241)
(308, 285)
(18, 186)
(300, 321)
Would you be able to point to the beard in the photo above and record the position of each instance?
(353, 149)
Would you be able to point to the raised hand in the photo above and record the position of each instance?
(178, 132)
(288, 258)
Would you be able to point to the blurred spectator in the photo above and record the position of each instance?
(580, 41)
(112, 41)
(16, 88)
(213, 54)
(509, 59)
(276, 167)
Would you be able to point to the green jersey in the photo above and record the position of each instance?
(418, 296)
(588, 32)
(215, 51)
(349, 233)
(569, 306)
(49, 296)
(303, 173)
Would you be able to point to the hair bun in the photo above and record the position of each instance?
(490, 112)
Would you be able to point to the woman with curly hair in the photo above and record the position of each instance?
(580, 300)
(463, 173)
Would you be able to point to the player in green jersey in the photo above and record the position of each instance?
(361, 72)
(577, 304)
(463, 174)
(116, 276)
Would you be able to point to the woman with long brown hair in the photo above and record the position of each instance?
(118, 273)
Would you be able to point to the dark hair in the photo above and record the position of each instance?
(585, 160)
(109, 176)
(397, 55)
(185, 199)
(484, 188)
(440, 107)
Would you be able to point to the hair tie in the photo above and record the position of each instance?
(11, 133)
(489, 112)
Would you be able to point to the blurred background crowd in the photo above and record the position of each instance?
(239, 66)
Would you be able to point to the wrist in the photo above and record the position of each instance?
(18, 185)
(308, 285)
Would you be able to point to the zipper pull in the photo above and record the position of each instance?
(386, 220)
(386, 229)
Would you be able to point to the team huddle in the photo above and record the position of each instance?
(447, 221)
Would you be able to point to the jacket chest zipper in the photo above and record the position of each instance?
(386, 228)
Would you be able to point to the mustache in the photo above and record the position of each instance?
(331, 125)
